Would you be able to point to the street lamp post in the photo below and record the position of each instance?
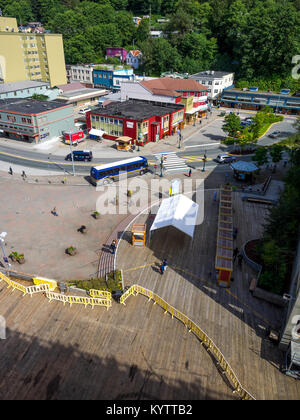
(2, 236)
(204, 161)
(161, 166)
(72, 157)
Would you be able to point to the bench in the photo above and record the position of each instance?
(259, 200)
(252, 284)
(266, 184)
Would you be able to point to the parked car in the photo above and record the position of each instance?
(275, 134)
(81, 155)
(84, 111)
(225, 159)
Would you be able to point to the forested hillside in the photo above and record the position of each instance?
(254, 38)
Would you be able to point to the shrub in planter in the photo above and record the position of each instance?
(13, 256)
(21, 259)
(96, 214)
(71, 250)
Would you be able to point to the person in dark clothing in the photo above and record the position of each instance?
(10, 171)
(165, 264)
(235, 254)
(162, 269)
(113, 246)
(240, 259)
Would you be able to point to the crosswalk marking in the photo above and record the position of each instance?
(172, 163)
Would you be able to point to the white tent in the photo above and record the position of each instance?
(178, 211)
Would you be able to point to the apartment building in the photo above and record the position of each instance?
(82, 73)
(29, 56)
(214, 81)
(34, 121)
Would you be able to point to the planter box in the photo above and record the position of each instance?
(257, 291)
(269, 297)
(71, 251)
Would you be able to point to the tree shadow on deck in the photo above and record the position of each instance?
(38, 369)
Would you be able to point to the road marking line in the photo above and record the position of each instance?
(203, 145)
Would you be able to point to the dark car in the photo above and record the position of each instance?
(80, 155)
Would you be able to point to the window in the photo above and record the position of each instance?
(11, 118)
(29, 120)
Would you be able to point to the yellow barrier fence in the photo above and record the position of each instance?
(100, 294)
(79, 300)
(26, 290)
(136, 289)
(42, 280)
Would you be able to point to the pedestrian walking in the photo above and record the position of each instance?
(10, 171)
(24, 175)
(235, 232)
(165, 264)
(54, 212)
(162, 269)
(113, 247)
(190, 173)
(240, 260)
(235, 254)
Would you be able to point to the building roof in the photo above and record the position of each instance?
(210, 74)
(71, 86)
(137, 110)
(170, 84)
(135, 53)
(28, 106)
(243, 166)
(25, 84)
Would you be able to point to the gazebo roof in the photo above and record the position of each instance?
(243, 166)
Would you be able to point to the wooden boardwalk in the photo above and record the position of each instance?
(60, 352)
(232, 318)
(136, 351)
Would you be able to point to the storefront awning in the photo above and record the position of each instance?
(97, 133)
(194, 110)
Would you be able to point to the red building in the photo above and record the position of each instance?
(141, 120)
(183, 87)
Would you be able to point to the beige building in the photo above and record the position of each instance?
(29, 56)
(8, 24)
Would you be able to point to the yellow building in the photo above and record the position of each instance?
(8, 24)
(28, 56)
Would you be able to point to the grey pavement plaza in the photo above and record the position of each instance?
(32, 229)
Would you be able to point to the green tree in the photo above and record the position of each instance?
(143, 31)
(276, 153)
(261, 156)
(232, 125)
(21, 10)
(159, 56)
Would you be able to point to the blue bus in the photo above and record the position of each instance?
(110, 172)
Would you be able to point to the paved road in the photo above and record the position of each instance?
(204, 140)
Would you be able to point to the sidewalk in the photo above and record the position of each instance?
(106, 148)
